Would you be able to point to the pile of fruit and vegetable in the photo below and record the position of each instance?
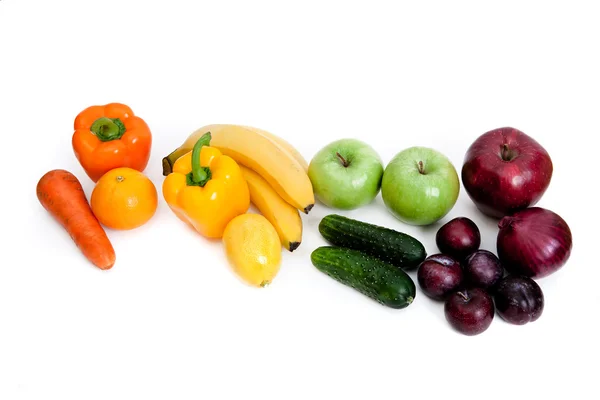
(220, 170)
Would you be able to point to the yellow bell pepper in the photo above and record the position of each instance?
(206, 189)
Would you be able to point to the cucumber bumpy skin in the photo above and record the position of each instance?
(391, 246)
(383, 282)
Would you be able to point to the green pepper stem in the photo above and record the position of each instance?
(199, 175)
(107, 129)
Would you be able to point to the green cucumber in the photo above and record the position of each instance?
(391, 246)
(383, 282)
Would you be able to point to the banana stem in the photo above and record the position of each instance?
(169, 160)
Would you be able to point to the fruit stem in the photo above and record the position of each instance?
(169, 160)
(107, 129)
(199, 175)
(421, 167)
(506, 153)
(464, 296)
(343, 160)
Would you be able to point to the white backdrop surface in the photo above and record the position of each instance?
(170, 320)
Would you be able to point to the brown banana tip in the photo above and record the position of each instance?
(167, 168)
(308, 208)
(294, 246)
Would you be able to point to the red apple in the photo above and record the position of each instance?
(506, 171)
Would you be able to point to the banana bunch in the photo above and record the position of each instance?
(275, 171)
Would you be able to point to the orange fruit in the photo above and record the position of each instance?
(124, 199)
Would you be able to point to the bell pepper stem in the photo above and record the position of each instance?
(107, 129)
(199, 175)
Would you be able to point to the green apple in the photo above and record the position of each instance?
(420, 186)
(346, 174)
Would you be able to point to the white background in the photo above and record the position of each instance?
(170, 320)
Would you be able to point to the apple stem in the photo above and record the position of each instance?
(421, 168)
(464, 296)
(342, 159)
(506, 153)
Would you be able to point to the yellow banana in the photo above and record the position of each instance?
(283, 216)
(283, 143)
(262, 155)
(253, 149)
(188, 145)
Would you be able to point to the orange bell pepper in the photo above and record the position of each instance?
(206, 189)
(108, 137)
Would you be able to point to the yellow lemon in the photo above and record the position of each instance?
(253, 248)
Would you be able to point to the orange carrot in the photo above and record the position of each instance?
(61, 194)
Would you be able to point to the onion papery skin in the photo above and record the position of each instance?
(534, 242)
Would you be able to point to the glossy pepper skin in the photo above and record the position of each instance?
(206, 189)
(108, 137)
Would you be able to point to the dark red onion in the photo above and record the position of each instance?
(534, 242)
